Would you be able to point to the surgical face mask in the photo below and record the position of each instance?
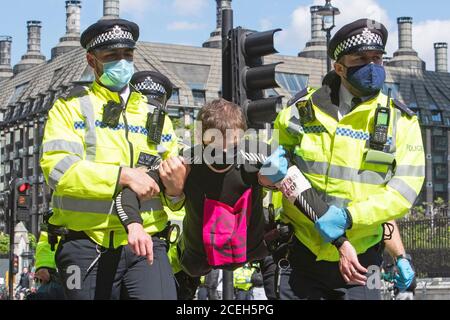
(117, 74)
(367, 79)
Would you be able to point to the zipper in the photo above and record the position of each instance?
(124, 112)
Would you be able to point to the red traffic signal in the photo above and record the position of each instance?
(16, 264)
(24, 187)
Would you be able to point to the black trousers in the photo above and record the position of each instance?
(308, 279)
(268, 271)
(243, 294)
(118, 273)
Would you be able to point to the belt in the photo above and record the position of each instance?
(71, 235)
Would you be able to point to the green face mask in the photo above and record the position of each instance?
(117, 74)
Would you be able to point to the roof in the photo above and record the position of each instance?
(197, 68)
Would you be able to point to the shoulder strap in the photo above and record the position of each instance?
(403, 108)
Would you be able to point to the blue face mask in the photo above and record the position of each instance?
(117, 74)
(367, 79)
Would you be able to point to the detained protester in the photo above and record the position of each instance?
(92, 143)
(350, 142)
(224, 222)
(224, 225)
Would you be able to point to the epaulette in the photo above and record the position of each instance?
(298, 96)
(403, 108)
(75, 92)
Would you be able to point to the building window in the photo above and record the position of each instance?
(174, 113)
(199, 97)
(18, 93)
(438, 158)
(436, 117)
(438, 187)
(440, 143)
(271, 93)
(292, 82)
(437, 132)
(175, 97)
(440, 171)
(394, 89)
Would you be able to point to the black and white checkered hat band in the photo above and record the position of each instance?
(149, 85)
(365, 38)
(115, 34)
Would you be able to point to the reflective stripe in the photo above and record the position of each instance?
(151, 108)
(60, 168)
(410, 171)
(294, 125)
(342, 173)
(397, 115)
(404, 189)
(63, 145)
(99, 206)
(311, 167)
(90, 135)
(337, 201)
(359, 176)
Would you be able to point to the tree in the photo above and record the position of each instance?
(4, 243)
(33, 242)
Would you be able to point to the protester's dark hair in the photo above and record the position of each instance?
(221, 114)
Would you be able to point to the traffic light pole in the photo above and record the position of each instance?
(12, 222)
(227, 94)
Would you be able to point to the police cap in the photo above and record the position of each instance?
(153, 84)
(110, 34)
(360, 35)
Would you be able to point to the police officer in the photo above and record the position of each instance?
(242, 279)
(93, 139)
(363, 151)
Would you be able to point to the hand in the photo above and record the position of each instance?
(140, 182)
(140, 241)
(351, 270)
(405, 275)
(333, 224)
(173, 174)
(275, 167)
(43, 275)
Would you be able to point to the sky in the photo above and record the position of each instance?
(190, 22)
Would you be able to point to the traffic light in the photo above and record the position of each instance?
(23, 199)
(15, 264)
(250, 77)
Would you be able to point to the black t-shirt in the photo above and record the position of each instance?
(226, 187)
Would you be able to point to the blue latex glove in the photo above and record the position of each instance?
(276, 166)
(333, 224)
(405, 275)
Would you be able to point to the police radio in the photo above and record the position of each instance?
(381, 126)
(155, 122)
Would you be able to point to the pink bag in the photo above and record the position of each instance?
(225, 230)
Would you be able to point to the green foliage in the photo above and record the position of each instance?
(4, 243)
(33, 241)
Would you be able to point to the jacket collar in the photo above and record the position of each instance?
(108, 95)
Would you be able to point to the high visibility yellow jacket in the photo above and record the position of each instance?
(45, 257)
(82, 158)
(243, 278)
(334, 157)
